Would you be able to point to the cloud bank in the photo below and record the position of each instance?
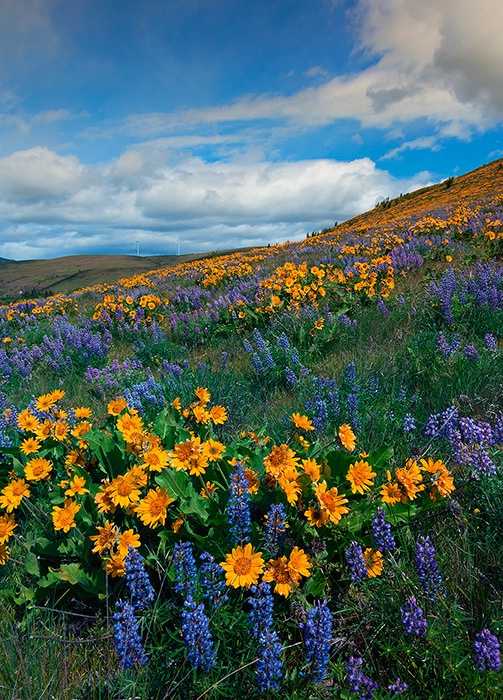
(53, 205)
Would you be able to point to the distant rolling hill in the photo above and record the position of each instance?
(32, 278)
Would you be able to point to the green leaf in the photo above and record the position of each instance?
(72, 573)
(380, 457)
(339, 463)
(164, 426)
(31, 564)
(315, 585)
(178, 484)
(25, 595)
(108, 452)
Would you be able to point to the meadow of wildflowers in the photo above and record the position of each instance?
(278, 470)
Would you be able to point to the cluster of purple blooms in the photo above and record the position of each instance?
(346, 321)
(126, 630)
(357, 681)
(64, 347)
(268, 667)
(185, 568)
(127, 637)
(365, 686)
(446, 348)
(275, 529)
(324, 405)
(197, 636)
(427, 568)
(263, 360)
(137, 581)
(469, 439)
(412, 617)
(147, 393)
(116, 374)
(486, 651)
(238, 508)
(213, 585)
(195, 623)
(479, 285)
(382, 307)
(354, 557)
(381, 531)
(317, 632)
(409, 423)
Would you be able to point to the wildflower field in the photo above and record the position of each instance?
(270, 474)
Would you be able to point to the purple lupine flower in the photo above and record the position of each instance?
(373, 386)
(382, 307)
(259, 340)
(427, 567)
(471, 353)
(486, 651)
(350, 373)
(137, 580)
(444, 347)
(490, 342)
(472, 431)
(381, 530)
(197, 636)
(317, 632)
(397, 687)
(127, 637)
(409, 424)
(275, 529)
(290, 375)
(442, 425)
(354, 557)
(284, 343)
(185, 569)
(257, 362)
(413, 618)
(213, 583)
(346, 321)
(269, 667)
(238, 508)
(358, 682)
(482, 462)
(497, 431)
(352, 409)
(262, 604)
(268, 359)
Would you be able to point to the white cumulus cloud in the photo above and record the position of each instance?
(50, 204)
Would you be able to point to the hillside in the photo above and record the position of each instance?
(464, 189)
(33, 278)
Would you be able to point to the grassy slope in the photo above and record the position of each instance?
(29, 278)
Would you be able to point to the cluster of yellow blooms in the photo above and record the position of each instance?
(129, 306)
(57, 304)
(243, 566)
(135, 492)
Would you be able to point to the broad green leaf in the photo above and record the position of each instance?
(31, 564)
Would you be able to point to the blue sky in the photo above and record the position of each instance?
(208, 124)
